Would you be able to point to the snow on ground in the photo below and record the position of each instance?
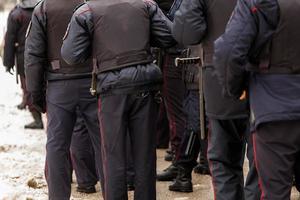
(22, 154)
(21, 151)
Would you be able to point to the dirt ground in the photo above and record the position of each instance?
(22, 155)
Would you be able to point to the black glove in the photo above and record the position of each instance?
(38, 100)
(10, 70)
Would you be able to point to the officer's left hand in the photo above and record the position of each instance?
(10, 70)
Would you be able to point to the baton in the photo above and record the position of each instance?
(189, 61)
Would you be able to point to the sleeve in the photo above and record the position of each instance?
(36, 51)
(36, 58)
(11, 39)
(76, 47)
(190, 25)
(160, 26)
(250, 26)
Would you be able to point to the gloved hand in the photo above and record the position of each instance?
(10, 70)
(38, 101)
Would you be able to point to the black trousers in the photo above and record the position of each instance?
(251, 189)
(173, 92)
(297, 172)
(191, 144)
(226, 150)
(83, 155)
(277, 147)
(134, 114)
(163, 130)
(129, 163)
(63, 99)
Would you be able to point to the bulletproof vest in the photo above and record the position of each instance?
(218, 13)
(121, 34)
(59, 13)
(282, 53)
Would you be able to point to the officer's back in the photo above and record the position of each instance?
(120, 33)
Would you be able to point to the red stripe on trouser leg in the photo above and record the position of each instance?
(210, 163)
(170, 113)
(103, 152)
(46, 170)
(256, 166)
(46, 163)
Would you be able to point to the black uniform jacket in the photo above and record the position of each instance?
(273, 97)
(17, 24)
(250, 27)
(77, 48)
(36, 55)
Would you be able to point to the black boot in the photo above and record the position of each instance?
(202, 167)
(37, 123)
(21, 106)
(183, 181)
(170, 155)
(297, 183)
(168, 174)
(87, 190)
(130, 187)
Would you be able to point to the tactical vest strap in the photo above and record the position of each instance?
(125, 60)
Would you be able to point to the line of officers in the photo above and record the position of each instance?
(250, 65)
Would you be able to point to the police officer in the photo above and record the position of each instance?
(120, 33)
(173, 93)
(260, 49)
(67, 89)
(202, 21)
(191, 143)
(14, 43)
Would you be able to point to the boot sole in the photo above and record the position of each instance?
(168, 159)
(202, 171)
(177, 189)
(40, 128)
(165, 179)
(86, 191)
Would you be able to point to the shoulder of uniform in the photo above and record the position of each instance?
(151, 2)
(39, 8)
(38, 3)
(79, 6)
(82, 8)
(15, 12)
